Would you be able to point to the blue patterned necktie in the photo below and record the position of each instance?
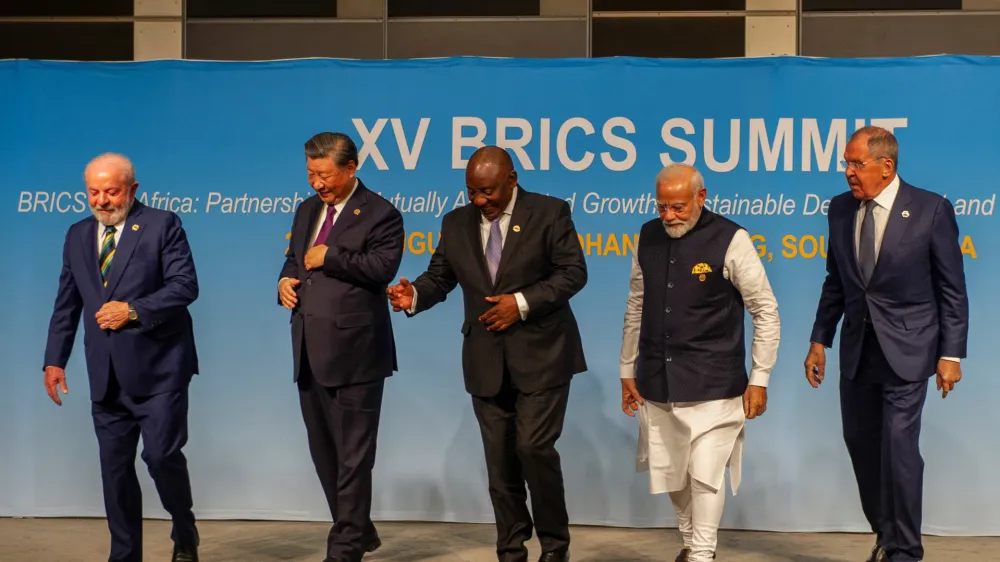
(866, 243)
(494, 249)
(107, 253)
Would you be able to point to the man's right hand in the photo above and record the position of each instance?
(630, 397)
(400, 296)
(815, 364)
(286, 292)
(55, 377)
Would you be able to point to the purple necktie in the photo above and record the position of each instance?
(327, 225)
(494, 249)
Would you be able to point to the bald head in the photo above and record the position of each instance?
(680, 196)
(111, 164)
(111, 187)
(491, 180)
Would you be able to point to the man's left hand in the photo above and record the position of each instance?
(948, 375)
(754, 401)
(503, 315)
(315, 257)
(112, 316)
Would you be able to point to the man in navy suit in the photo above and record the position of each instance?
(895, 274)
(129, 269)
(345, 248)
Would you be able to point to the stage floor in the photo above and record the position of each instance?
(86, 540)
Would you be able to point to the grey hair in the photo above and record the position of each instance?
(674, 171)
(336, 146)
(881, 143)
(124, 164)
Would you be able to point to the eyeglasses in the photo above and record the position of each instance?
(855, 165)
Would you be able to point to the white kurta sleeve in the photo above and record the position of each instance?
(745, 271)
(633, 319)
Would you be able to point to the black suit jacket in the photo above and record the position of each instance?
(543, 260)
(342, 315)
(916, 297)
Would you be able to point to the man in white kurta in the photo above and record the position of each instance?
(683, 353)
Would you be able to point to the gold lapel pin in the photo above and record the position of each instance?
(517, 228)
(357, 212)
(906, 214)
(135, 227)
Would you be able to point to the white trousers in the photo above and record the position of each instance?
(686, 448)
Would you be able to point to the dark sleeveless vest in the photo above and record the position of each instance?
(691, 340)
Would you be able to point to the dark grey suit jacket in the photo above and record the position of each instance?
(543, 260)
(342, 317)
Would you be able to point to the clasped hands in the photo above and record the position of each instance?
(502, 315)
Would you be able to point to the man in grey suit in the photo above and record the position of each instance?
(518, 259)
(346, 246)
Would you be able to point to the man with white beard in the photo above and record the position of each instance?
(128, 271)
(683, 357)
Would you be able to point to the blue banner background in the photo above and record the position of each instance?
(206, 131)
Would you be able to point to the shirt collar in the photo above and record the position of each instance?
(343, 203)
(509, 209)
(888, 195)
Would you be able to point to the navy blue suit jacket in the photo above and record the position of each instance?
(916, 297)
(153, 270)
(342, 316)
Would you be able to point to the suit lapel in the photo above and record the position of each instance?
(131, 232)
(350, 214)
(518, 221)
(895, 228)
(850, 228)
(475, 237)
(90, 251)
(308, 226)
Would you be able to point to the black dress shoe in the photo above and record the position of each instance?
(182, 554)
(374, 545)
(878, 555)
(560, 556)
(685, 553)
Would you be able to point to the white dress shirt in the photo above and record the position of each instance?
(883, 206)
(484, 231)
(880, 213)
(102, 230)
(743, 268)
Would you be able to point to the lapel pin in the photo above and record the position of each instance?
(357, 212)
(135, 227)
(906, 214)
(517, 228)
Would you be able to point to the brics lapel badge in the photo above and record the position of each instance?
(700, 270)
(905, 213)
(517, 228)
(135, 228)
(357, 212)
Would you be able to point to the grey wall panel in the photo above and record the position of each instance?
(266, 41)
(525, 38)
(885, 36)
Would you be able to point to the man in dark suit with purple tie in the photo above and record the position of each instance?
(130, 269)
(345, 248)
(517, 257)
(895, 274)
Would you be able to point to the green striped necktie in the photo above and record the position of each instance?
(107, 253)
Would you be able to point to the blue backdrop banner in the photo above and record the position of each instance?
(221, 144)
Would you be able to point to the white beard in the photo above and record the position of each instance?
(678, 230)
(116, 217)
